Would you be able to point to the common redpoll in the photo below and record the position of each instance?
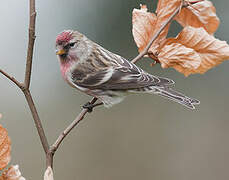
(109, 77)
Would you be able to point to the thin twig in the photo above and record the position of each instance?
(32, 22)
(25, 86)
(37, 120)
(26, 91)
(11, 78)
(70, 127)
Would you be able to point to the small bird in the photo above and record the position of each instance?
(106, 76)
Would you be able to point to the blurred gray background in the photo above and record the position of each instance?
(145, 137)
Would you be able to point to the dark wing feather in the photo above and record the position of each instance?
(118, 74)
(125, 79)
(117, 78)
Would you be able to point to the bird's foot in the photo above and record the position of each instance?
(89, 106)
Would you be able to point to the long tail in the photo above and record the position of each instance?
(171, 94)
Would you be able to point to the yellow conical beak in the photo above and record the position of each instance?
(61, 52)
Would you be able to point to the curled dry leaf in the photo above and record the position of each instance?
(165, 8)
(12, 173)
(48, 174)
(146, 24)
(143, 25)
(182, 58)
(197, 47)
(5, 148)
(201, 14)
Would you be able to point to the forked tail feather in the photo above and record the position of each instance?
(173, 95)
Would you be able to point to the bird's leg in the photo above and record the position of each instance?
(89, 106)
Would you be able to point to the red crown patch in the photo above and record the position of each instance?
(64, 37)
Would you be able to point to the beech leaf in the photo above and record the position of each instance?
(201, 14)
(181, 58)
(165, 8)
(146, 24)
(143, 24)
(197, 47)
(12, 173)
(5, 148)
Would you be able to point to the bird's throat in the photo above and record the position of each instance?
(65, 66)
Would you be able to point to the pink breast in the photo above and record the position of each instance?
(64, 68)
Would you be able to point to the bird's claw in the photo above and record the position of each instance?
(89, 106)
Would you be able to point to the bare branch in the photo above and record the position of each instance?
(37, 120)
(26, 91)
(12, 79)
(25, 87)
(32, 21)
(79, 118)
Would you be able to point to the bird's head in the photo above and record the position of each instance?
(71, 45)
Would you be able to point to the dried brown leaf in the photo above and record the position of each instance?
(143, 25)
(201, 14)
(5, 148)
(12, 173)
(181, 58)
(165, 8)
(197, 45)
(146, 24)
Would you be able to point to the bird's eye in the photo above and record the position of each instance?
(72, 44)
